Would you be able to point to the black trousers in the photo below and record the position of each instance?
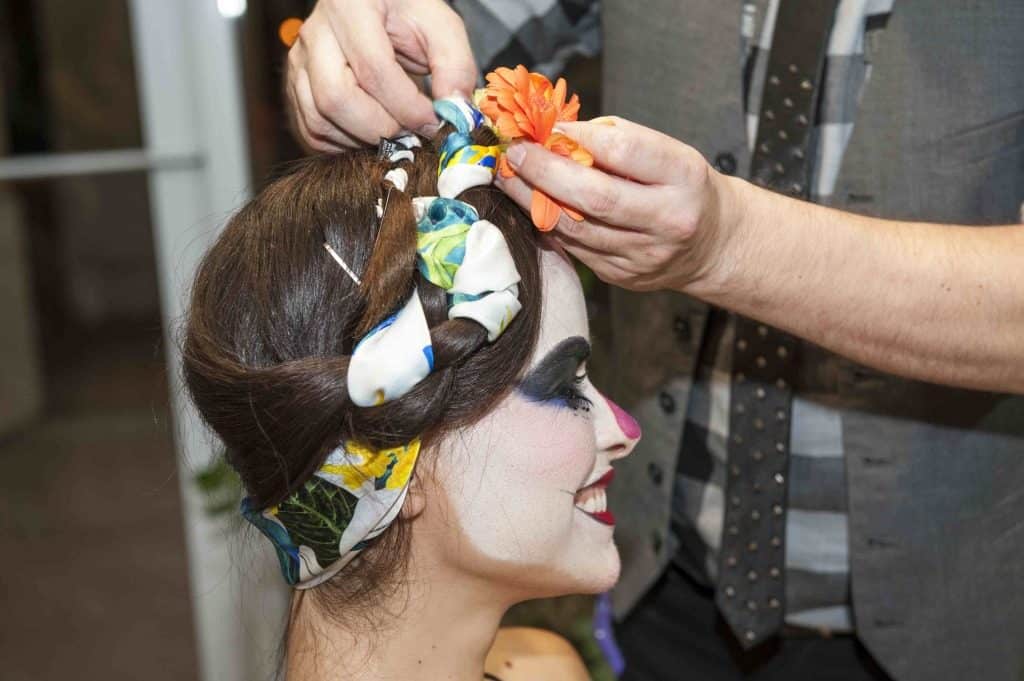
(676, 633)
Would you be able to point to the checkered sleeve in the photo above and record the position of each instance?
(540, 34)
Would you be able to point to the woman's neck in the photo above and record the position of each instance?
(434, 628)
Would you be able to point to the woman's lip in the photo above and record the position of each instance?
(603, 517)
(603, 481)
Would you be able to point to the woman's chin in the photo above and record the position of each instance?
(600, 574)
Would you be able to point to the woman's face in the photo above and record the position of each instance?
(518, 499)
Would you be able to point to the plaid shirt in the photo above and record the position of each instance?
(544, 34)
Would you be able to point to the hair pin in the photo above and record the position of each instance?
(337, 259)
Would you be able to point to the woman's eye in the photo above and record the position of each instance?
(574, 396)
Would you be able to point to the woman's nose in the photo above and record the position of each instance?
(618, 432)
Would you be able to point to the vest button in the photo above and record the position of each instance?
(655, 473)
(725, 163)
(656, 541)
(681, 326)
(667, 402)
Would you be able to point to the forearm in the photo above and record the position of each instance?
(940, 303)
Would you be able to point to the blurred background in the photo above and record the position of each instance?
(129, 129)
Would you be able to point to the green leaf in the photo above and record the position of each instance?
(316, 516)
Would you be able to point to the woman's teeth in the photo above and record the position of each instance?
(592, 500)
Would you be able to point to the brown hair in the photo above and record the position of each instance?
(273, 320)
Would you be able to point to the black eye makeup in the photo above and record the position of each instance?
(558, 378)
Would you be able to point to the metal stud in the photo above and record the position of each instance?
(730, 592)
(762, 331)
(774, 80)
(780, 448)
(779, 168)
(741, 408)
(760, 393)
(801, 120)
(731, 561)
(793, 68)
(749, 635)
(777, 509)
(769, 114)
(797, 188)
(783, 135)
(776, 542)
(733, 530)
(757, 455)
(806, 84)
(740, 377)
(781, 351)
(774, 603)
(735, 501)
(752, 576)
(761, 362)
(751, 606)
(780, 415)
(735, 470)
(752, 547)
(798, 153)
(775, 573)
(741, 344)
(780, 384)
(758, 424)
(779, 478)
(787, 102)
(755, 515)
(765, 148)
(737, 438)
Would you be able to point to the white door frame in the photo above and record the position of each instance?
(196, 157)
(190, 84)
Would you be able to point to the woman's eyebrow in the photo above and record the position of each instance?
(559, 364)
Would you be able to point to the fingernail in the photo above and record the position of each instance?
(429, 130)
(515, 155)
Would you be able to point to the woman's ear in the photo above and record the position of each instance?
(415, 500)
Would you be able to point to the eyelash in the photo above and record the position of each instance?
(574, 397)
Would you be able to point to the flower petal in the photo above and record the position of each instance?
(543, 211)
(504, 168)
(578, 217)
(582, 156)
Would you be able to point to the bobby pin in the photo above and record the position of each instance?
(337, 259)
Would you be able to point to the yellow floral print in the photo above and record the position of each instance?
(405, 461)
(373, 464)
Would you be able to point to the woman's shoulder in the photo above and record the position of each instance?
(525, 653)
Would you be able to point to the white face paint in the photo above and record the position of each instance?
(505, 502)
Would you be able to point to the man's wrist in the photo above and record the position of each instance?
(727, 213)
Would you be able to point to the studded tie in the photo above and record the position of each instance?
(751, 586)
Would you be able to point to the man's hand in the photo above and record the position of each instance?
(654, 206)
(350, 72)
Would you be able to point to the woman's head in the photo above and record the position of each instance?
(518, 499)
(274, 321)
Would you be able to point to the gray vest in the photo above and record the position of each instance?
(935, 475)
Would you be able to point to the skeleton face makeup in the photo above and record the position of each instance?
(519, 498)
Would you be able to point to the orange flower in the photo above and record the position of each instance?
(526, 106)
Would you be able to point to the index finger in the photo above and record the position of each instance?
(634, 151)
(591, 191)
(368, 50)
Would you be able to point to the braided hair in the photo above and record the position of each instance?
(273, 321)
